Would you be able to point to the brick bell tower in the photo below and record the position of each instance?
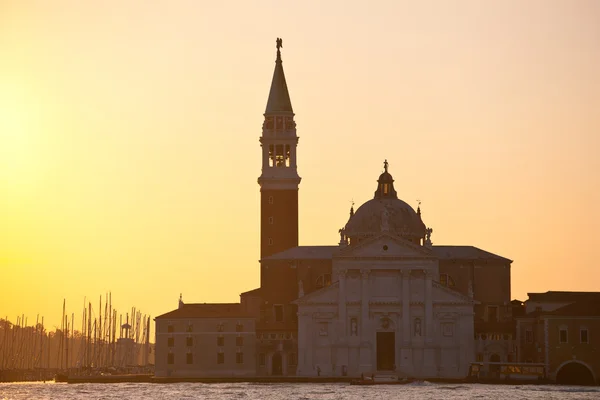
(279, 179)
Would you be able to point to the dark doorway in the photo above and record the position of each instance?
(574, 373)
(386, 351)
(276, 367)
(495, 368)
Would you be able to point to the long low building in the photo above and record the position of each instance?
(205, 340)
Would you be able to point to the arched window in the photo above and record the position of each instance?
(323, 281)
(446, 280)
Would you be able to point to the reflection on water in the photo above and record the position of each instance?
(251, 391)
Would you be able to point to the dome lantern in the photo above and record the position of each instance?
(385, 185)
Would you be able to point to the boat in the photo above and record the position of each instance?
(370, 380)
(363, 381)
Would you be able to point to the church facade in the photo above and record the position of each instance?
(384, 300)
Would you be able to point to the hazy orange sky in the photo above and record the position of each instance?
(129, 133)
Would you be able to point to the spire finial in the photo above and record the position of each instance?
(385, 165)
(279, 45)
(279, 97)
(418, 207)
(352, 208)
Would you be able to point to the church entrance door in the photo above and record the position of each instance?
(277, 365)
(386, 351)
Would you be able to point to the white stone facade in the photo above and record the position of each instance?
(386, 313)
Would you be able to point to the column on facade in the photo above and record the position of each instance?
(364, 302)
(428, 305)
(405, 305)
(293, 155)
(342, 302)
(302, 343)
(265, 160)
(309, 332)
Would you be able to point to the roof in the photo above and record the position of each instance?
(441, 252)
(279, 97)
(560, 297)
(465, 253)
(251, 292)
(207, 310)
(585, 308)
(305, 253)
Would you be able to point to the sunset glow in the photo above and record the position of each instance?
(129, 150)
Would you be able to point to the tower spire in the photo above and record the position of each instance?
(279, 97)
(279, 179)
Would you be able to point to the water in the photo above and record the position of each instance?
(252, 391)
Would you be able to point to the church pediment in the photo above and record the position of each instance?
(442, 294)
(326, 295)
(386, 245)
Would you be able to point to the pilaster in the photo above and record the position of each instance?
(429, 333)
(342, 302)
(405, 307)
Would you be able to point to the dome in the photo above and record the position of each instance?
(385, 213)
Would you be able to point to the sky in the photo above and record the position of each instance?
(129, 132)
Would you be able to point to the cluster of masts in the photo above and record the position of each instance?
(107, 339)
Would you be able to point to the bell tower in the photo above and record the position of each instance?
(279, 179)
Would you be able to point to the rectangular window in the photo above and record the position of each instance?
(447, 328)
(170, 329)
(492, 313)
(270, 220)
(270, 199)
(292, 359)
(189, 341)
(220, 327)
(529, 336)
(190, 328)
(323, 329)
(270, 241)
(170, 342)
(239, 358)
(262, 359)
(239, 328)
(220, 358)
(189, 358)
(583, 336)
(239, 341)
(278, 308)
(563, 338)
(221, 341)
(170, 358)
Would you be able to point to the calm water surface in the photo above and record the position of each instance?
(251, 391)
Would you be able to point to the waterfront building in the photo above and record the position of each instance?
(562, 331)
(205, 340)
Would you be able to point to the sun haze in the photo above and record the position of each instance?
(129, 131)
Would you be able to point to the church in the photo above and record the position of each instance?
(384, 300)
